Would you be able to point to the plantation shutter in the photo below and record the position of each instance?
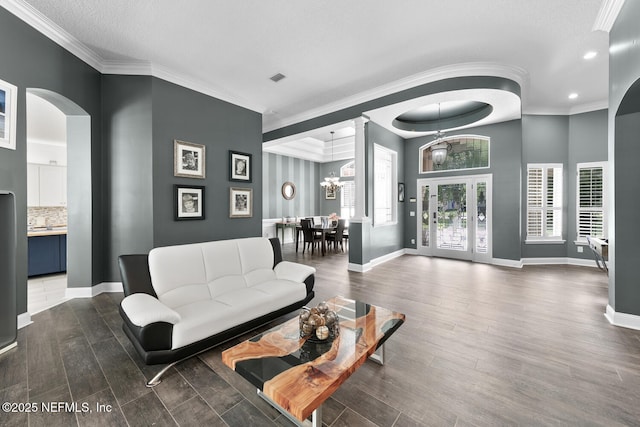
(591, 201)
(534, 202)
(544, 202)
(347, 199)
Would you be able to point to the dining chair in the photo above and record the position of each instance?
(337, 237)
(310, 238)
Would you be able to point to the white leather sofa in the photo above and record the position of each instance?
(181, 300)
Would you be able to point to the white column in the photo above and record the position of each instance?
(360, 178)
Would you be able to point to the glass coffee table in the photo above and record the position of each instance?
(296, 375)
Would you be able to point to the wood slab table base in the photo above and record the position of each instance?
(297, 375)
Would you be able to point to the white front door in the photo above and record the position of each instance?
(454, 217)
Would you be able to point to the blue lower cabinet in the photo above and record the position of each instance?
(63, 252)
(47, 254)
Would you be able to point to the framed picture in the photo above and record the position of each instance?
(239, 166)
(188, 159)
(401, 191)
(329, 193)
(240, 202)
(189, 202)
(8, 114)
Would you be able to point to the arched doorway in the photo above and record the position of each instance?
(79, 197)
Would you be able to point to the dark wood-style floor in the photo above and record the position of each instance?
(482, 346)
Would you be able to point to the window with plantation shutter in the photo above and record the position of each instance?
(348, 200)
(591, 209)
(385, 186)
(544, 202)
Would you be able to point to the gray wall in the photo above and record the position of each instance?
(624, 70)
(139, 135)
(329, 206)
(30, 60)
(627, 189)
(183, 114)
(128, 149)
(545, 139)
(388, 238)
(587, 143)
(276, 170)
(505, 165)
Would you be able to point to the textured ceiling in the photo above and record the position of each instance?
(337, 52)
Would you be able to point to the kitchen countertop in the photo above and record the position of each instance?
(55, 231)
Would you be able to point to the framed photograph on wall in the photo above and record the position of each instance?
(329, 193)
(401, 191)
(240, 202)
(189, 202)
(8, 114)
(239, 166)
(188, 159)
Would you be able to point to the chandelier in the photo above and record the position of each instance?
(332, 183)
(439, 151)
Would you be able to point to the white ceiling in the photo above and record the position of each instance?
(336, 54)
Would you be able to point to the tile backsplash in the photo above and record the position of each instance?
(46, 216)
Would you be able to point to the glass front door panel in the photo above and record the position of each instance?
(481, 218)
(452, 217)
(425, 216)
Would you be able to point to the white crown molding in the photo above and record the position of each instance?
(131, 68)
(576, 109)
(44, 25)
(514, 73)
(587, 108)
(607, 15)
(48, 28)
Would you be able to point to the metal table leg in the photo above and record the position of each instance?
(316, 416)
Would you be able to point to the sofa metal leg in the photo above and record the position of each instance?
(156, 380)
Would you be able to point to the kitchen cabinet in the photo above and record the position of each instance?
(47, 254)
(46, 185)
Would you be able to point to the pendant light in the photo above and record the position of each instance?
(439, 151)
(332, 183)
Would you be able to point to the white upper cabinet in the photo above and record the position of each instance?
(46, 185)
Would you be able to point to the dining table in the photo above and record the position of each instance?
(318, 228)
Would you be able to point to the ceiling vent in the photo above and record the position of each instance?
(277, 77)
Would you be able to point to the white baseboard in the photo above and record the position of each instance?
(507, 262)
(387, 257)
(9, 347)
(359, 268)
(559, 261)
(624, 320)
(24, 319)
(92, 291)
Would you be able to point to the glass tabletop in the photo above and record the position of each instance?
(300, 374)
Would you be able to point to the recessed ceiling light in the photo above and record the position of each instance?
(590, 55)
(573, 95)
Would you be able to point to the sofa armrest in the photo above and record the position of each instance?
(143, 309)
(293, 271)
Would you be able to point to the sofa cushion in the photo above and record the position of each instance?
(178, 274)
(255, 253)
(202, 319)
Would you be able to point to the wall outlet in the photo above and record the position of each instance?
(413, 241)
(412, 213)
(580, 249)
